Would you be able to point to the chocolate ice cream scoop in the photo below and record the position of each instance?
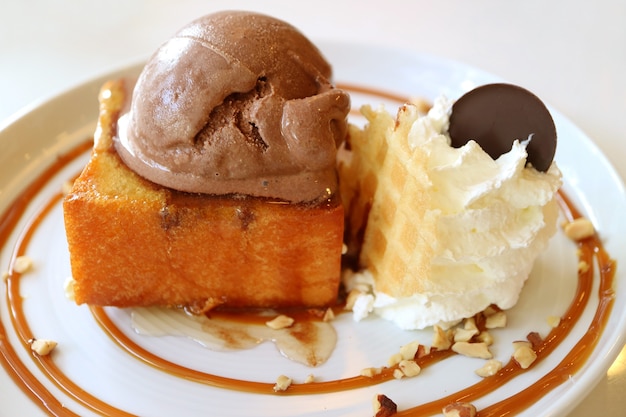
(237, 103)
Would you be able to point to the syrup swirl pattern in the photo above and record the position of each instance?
(590, 251)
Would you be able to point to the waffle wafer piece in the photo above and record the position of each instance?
(383, 187)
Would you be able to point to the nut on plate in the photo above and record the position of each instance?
(579, 229)
(459, 409)
(442, 339)
(524, 355)
(490, 368)
(280, 322)
(409, 368)
(495, 320)
(42, 347)
(371, 372)
(22, 264)
(383, 406)
(472, 350)
(282, 383)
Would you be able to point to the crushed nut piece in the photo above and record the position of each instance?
(524, 355)
(42, 347)
(496, 320)
(351, 299)
(579, 229)
(394, 359)
(470, 323)
(535, 339)
(472, 350)
(22, 264)
(329, 315)
(583, 266)
(68, 287)
(490, 368)
(492, 309)
(202, 307)
(371, 372)
(409, 350)
(66, 187)
(282, 383)
(280, 322)
(383, 406)
(422, 351)
(459, 410)
(442, 339)
(409, 368)
(519, 343)
(464, 335)
(309, 379)
(485, 337)
(554, 321)
(398, 374)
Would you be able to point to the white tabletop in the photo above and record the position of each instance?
(571, 53)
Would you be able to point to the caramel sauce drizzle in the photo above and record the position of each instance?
(590, 249)
(9, 358)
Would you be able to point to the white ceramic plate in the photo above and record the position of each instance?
(31, 142)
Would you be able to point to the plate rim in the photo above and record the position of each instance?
(610, 353)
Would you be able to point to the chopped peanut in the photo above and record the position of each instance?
(282, 383)
(459, 410)
(490, 368)
(583, 266)
(371, 372)
(490, 310)
(409, 368)
(464, 335)
(485, 337)
(280, 322)
(68, 286)
(329, 315)
(409, 350)
(66, 187)
(524, 355)
(470, 324)
(22, 264)
(351, 299)
(535, 339)
(554, 321)
(442, 339)
(422, 351)
(394, 359)
(496, 320)
(383, 406)
(521, 343)
(472, 350)
(579, 229)
(42, 347)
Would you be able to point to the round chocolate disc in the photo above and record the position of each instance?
(495, 115)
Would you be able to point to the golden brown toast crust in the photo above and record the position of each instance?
(133, 243)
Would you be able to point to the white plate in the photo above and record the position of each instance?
(85, 354)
